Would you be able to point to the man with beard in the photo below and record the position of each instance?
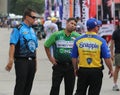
(62, 42)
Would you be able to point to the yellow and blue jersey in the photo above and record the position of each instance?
(90, 49)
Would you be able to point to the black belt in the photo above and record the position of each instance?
(25, 58)
(64, 63)
(94, 68)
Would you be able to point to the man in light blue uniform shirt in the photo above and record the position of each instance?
(22, 52)
(27, 40)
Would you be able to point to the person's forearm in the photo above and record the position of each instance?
(108, 62)
(74, 62)
(112, 48)
(50, 57)
(48, 52)
(11, 52)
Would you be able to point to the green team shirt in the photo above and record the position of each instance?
(62, 45)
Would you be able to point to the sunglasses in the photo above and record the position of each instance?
(33, 17)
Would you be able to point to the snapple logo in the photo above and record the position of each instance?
(88, 45)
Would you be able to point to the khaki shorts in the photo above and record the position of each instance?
(117, 59)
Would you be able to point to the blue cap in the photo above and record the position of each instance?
(92, 23)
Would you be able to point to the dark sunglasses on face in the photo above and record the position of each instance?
(33, 17)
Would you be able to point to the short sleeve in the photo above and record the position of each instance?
(105, 51)
(74, 53)
(14, 37)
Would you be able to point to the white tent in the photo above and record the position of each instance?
(13, 16)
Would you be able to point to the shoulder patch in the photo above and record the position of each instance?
(19, 26)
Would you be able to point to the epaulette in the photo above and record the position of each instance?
(18, 26)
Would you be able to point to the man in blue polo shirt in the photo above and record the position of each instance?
(89, 49)
(22, 52)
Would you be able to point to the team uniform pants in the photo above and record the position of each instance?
(89, 80)
(25, 72)
(60, 72)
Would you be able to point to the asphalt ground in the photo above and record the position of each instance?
(42, 81)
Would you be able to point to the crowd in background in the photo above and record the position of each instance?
(6, 22)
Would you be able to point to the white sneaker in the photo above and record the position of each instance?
(115, 88)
